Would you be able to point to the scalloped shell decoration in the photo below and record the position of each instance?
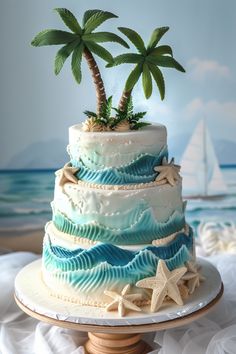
(90, 125)
(123, 126)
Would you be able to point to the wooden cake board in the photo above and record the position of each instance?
(107, 333)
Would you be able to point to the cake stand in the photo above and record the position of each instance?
(107, 332)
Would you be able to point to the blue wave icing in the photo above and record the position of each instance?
(106, 264)
(144, 230)
(141, 170)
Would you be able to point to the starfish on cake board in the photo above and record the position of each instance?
(67, 174)
(163, 284)
(168, 172)
(123, 301)
(192, 278)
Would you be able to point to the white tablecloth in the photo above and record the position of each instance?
(20, 334)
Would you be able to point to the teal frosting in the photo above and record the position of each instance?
(141, 170)
(105, 264)
(143, 230)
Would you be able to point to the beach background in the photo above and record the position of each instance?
(36, 107)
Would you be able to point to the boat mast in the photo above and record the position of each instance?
(205, 158)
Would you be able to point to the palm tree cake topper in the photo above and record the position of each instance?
(83, 41)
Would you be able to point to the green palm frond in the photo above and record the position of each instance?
(99, 51)
(96, 20)
(129, 106)
(88, 14)
(135, 38)
(69, 19)
(104, 117)
(90, 114)
(147, 81)
(129, 58)
(157, 34)
(63, 54)
(52, 37)
(76, 62)
(165, 61)
(159, 79)
(147, 63)
(162, 50)
(140, 125)
(136, 116)
(128, 115)
(91, 20)
(105, 113)
(133, 77)
(104, 37)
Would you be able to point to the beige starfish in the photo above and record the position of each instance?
(184, 292)
(163, 284)
(192, 277)
(123, 301)
(168, 172)
(66, 174)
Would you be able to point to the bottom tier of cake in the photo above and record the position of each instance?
(89, 275)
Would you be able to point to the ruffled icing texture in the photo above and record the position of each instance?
(139, 170)
(103, 265)
(142, 227)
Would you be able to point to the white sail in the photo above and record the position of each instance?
(200, 169)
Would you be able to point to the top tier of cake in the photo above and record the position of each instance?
(118, 158)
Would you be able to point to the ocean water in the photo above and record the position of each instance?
(25, 198)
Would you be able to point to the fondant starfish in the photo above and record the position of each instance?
(123, 301)
(168, 172)
(192, 277)
(184, 291)
(66, 174)
(163, 284)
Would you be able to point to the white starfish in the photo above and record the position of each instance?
(66, 174)
(122, 301)
(192, 277)
(168, 172)
(163, 284)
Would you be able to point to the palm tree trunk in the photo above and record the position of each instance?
(124, 98)
(97, 79)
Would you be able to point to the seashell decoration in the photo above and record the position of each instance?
(123, 126)
(90, 125)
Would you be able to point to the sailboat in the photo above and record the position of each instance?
(202, 177)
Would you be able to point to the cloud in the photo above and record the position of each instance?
(221, 116)
(193, 108)
(210, 108)
(201, 69)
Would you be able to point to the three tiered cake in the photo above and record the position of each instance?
(118, 226)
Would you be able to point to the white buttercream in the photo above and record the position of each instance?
(115, 149)
(79, 201)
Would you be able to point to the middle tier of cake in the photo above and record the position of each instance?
(125, 215)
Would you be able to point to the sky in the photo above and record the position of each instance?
(37, 106)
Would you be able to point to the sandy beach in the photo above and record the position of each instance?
(24, 240)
